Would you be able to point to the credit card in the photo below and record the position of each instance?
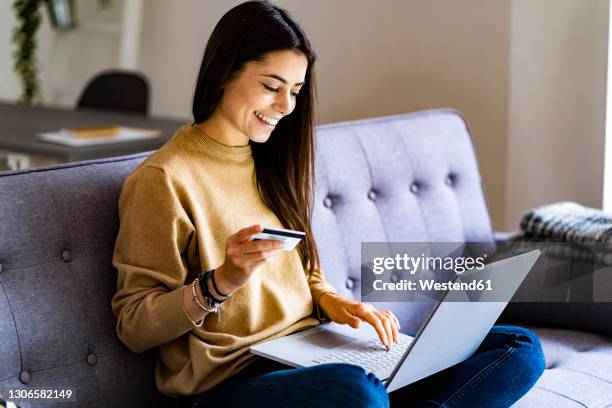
(290, 238)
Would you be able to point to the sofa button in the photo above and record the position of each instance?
(372, 195)
(395, 277)
(92, 359)
(66, 255)
(327, 202)
(24, 377)
(350, 283)
(414, 187)
(450, 180)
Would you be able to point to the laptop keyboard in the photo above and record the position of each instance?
(373, 356)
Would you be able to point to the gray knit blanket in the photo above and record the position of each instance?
(567, 222)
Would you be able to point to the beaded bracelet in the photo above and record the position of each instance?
(196, 324)
(212, 308)
(203, 278)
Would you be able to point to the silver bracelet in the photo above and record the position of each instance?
(209, 308)
(196, 324)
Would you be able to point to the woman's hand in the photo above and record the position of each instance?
(243, 257)
(343, 310)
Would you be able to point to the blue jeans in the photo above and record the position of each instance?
(502, 370)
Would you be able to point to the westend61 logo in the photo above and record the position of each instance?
(485, 272)
(413, 264)
(400, 271)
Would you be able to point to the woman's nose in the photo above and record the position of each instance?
(284, 103)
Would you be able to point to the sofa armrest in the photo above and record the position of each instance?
(507, 236)
(570, 280)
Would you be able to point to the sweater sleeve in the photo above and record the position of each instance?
(153, 235)
(318, 286)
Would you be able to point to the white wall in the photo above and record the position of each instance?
(74, 57)
(607, 182)
(529, 75)
(9, 85)
(557, 103)
(394, 56)
(67, 60)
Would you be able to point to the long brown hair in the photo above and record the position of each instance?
(284, 165)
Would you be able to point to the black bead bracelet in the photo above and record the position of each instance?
(203, 278)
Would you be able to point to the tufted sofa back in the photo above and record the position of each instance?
(401, 178)
(404, 178)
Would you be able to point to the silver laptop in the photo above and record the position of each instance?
(453, 331)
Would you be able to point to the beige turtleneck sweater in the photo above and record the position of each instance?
(176, 211)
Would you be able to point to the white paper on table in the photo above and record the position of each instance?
(125, 134)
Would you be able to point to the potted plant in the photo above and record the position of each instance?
(28, 15)
(28, 20)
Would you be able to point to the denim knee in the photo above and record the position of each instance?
(359, 388)
(528, 355)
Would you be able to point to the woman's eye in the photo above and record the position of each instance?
(275, 90)
(269, 88)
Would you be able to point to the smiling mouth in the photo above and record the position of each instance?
(266, 120)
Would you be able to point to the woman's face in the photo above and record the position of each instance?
(260, 95)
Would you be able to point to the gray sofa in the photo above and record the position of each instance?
(401, 178)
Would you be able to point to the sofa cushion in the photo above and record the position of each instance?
(569, 287)
(577, 371)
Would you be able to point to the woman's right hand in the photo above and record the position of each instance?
(243, 257)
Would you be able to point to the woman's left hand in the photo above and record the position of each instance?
(343, 310)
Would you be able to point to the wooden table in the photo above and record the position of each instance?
(21, 149)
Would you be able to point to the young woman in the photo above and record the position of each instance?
(191, 282)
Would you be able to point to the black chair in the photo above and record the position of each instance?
(118, 91)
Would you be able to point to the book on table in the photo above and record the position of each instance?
(98, 135)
